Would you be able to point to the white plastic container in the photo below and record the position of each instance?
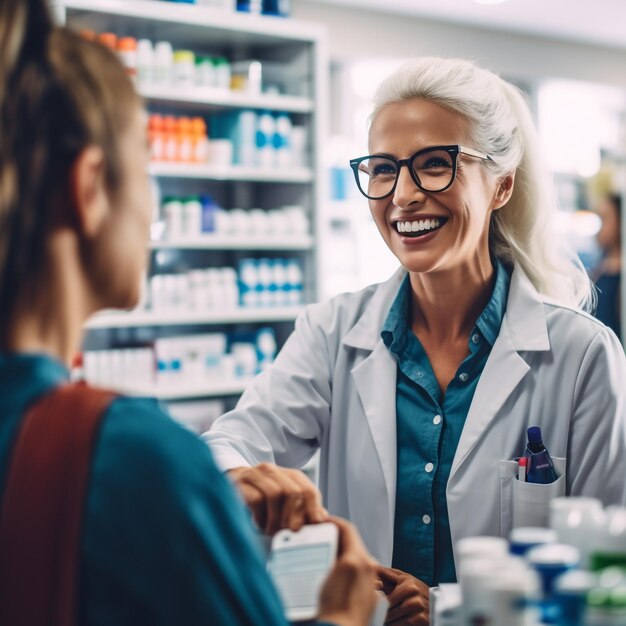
(577, 521)
(163, 63)
(282, 141)
(246, 363)
(266, 280)
(192, 218)
(145, 63)
(480, 547)
(265, 151)
(184, 69)
(249, 281)
(221, 67)
(221, 152)
(174, 220)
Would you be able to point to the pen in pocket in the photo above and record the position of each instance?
(522, 462)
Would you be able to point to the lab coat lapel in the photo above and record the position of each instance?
(375, 381)
(524, 328)
(503, 371)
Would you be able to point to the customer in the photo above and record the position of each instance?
(164, 538)
(607, 275)
(417, 390)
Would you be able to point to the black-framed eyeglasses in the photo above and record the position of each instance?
(432, 169)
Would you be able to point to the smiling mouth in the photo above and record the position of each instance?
(419, 228)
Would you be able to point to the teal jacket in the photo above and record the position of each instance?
(165, 541)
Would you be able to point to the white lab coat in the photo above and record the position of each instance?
(333, 387)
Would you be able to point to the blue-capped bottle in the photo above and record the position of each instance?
(540, 467)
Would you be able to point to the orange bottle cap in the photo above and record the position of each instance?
(169, 124)
(198, 126)
(126, 44)
(156, 122)
(184, 125)
(108, 39)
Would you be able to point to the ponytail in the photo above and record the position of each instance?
(25, 26)
(58, 94)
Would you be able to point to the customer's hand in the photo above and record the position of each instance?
(408, 597)
(348, 597)
(279, 497)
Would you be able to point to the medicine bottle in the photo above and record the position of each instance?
(171, 138)
(184, 68)
(108, 39)
(145, 62)
(156, 137)
(163, 62)
(200, 140)
(127, 49)
(185, 140)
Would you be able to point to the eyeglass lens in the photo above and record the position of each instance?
(434, 169)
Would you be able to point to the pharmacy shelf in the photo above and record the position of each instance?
(233, 173)
(223, 242)
(212, 389)
(177, 20)
(204, 98)
(135, 319)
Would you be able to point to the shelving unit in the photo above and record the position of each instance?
(118, 319)
(224, 242)
(215, 389)
(300, 51)
(207, 99)
(234, 173)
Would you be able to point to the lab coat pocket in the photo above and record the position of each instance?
(527, 504)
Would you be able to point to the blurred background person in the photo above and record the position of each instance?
(607, 275)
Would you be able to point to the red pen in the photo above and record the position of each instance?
(522, 463)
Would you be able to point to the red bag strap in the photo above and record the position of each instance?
(43, 506)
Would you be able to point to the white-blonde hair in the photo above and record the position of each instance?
(500, 124)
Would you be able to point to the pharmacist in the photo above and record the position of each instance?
(418, 390)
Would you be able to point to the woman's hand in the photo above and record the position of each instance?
(408, 597)
(348, 597)
(279, 497)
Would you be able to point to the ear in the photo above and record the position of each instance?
(504, 190)
(87, 191)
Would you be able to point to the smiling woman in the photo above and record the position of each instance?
(416, 389)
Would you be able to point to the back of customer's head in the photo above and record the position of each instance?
(66, 108)
(500, 124)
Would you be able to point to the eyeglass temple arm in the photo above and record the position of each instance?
(475, 153)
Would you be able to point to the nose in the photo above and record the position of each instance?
(406, 192)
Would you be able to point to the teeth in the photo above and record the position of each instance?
(417, 225)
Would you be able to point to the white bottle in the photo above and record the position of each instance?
(230, 288)
(266, 347)
(174, 222)
(249, 283)
(266, 280)
(247, 124)
(282, 141)
(295, 281)
(222, 72)
(265, 150)
(163, 63)
(192, 218)
(280, 279)
(145, 63)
